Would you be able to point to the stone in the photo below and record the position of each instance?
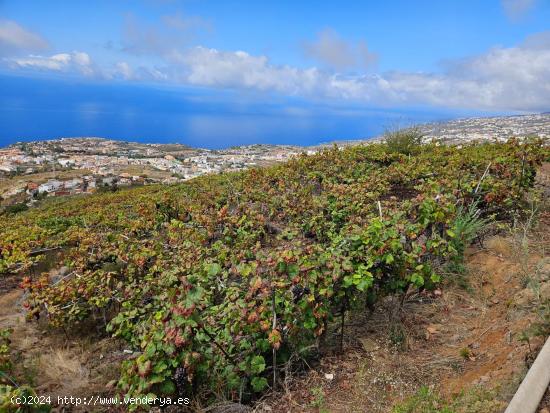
(545, 290)
(368, 344)
(484, 379)
(525, 297)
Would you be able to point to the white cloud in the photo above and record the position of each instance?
(513, 78)
(211, 67)
(537, 41)
(14, 38)
(123, 69)
(185, 23)
(516, 78)
(56, 62)
(335, 52)
(517, 9)
(142, 40)
(175, 33)
(79, 62)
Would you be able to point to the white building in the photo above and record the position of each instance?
(50, 186)
(65, 162)
(72, 183)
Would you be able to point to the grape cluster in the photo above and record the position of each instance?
(298, 292)
(180, 378)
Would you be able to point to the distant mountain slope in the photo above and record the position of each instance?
(501, 127)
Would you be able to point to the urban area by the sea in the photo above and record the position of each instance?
(30, 171)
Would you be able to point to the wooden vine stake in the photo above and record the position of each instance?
(273, 326)
(342, 323)
(522, 170)
(482, 177)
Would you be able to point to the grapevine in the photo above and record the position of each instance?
(217, 281)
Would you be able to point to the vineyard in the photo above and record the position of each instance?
(217, 283)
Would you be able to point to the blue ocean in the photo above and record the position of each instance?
(46, 108)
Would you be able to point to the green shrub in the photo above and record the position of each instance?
(16, 208)
(474, 400)
(467, 224)
(424, 401)
(5, 361)
(404, 141)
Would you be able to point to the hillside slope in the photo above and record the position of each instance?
(216, 284)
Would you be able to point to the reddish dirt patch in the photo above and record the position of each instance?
(399, 192)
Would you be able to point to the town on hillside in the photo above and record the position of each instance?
(30, 171)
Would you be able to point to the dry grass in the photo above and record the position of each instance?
(64, 370)
(499, 245)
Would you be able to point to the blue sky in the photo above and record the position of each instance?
(490, 55)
